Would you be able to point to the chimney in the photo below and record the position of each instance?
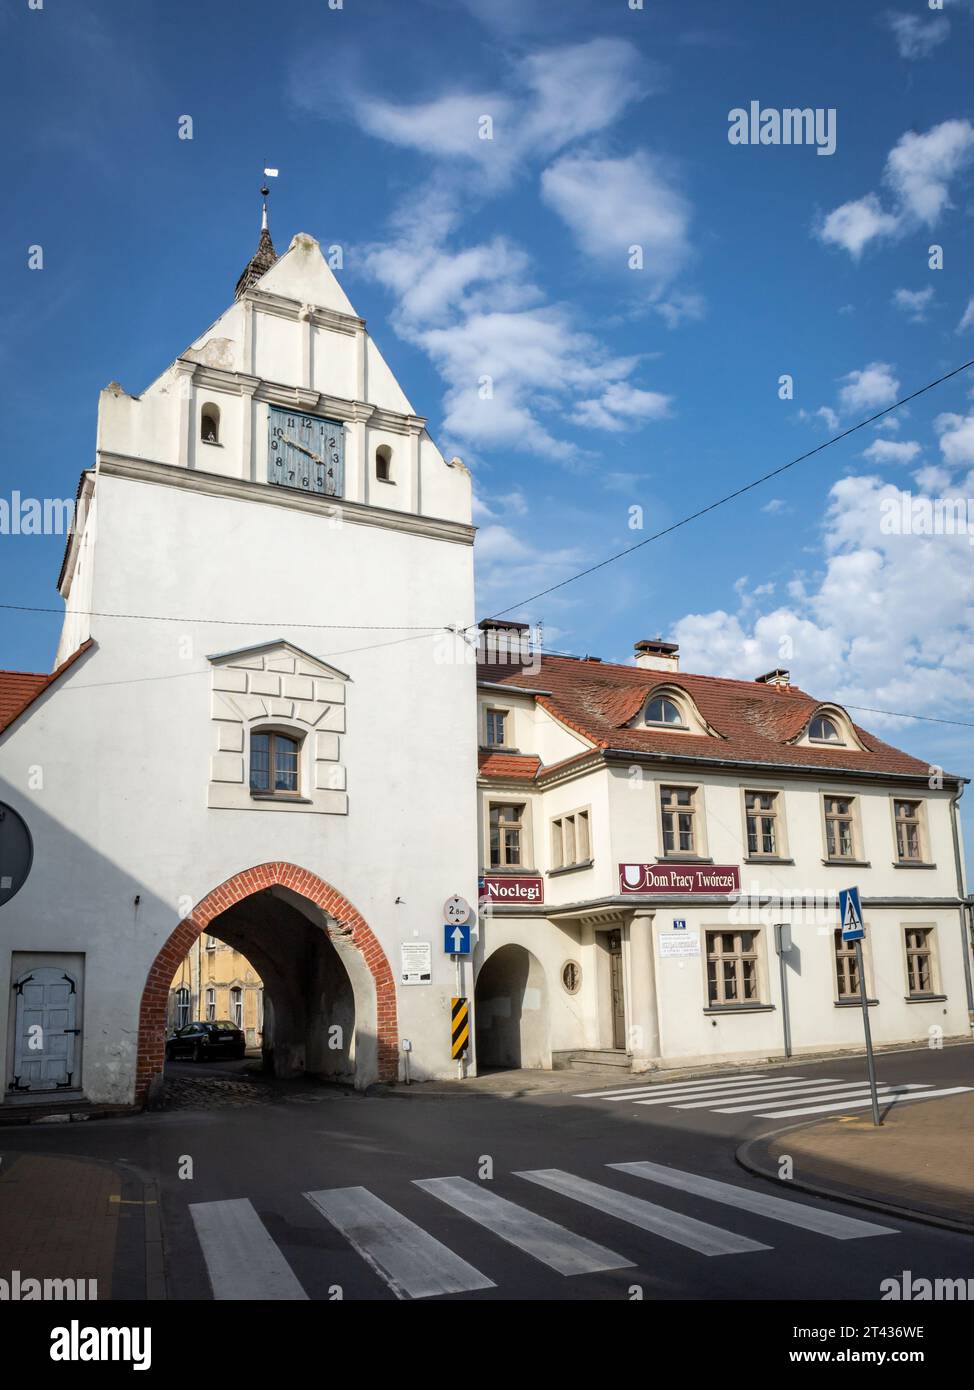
(658, 655)
(776, 677)
(503, 642)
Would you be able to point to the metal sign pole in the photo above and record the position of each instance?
(459, 961)
(870, 1060)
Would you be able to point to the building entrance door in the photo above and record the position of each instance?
(47, 1031)
(618, 997)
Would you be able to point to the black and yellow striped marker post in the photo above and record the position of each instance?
(460, 1019)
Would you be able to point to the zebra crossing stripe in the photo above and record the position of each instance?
(836, 1094)
(671, 1225)
(634, 1090)
(825, 1223)
(412, 1262)
(722, 1093)
(545, 1240)
(898, 1093)
(241, 1258)
(792, 1089)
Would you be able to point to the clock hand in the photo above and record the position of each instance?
(314, 456)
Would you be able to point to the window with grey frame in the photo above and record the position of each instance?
(678, 808)
(570, 840)
(496, 727)
(919, 960)
(847, 984)
(732, 968)
(183, 1000)
(906, 815)
(211, 1005)
(840, 832)
(761, 814)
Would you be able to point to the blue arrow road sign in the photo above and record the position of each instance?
(456, 940)
(850, 911)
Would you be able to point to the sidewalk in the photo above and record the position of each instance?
(919, 1163)
(67, 1219)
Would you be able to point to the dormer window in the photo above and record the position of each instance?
(383, 464)
(274, 763)
(663, 711)
(210, 424)
(822, 729)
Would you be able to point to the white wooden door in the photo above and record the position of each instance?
(47, 1011)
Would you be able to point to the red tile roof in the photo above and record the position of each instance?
(516, 765)
(754, 723)
(19, 689)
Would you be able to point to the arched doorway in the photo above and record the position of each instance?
(330, 991)
(511, 1011)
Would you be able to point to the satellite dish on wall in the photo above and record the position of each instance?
(16, 853)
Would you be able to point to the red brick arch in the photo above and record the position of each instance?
(155, 995)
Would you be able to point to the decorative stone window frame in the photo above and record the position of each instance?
(510, 798)
(762, 1003)
(277, 686)
(853, 1000)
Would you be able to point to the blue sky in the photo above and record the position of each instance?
(613, 388)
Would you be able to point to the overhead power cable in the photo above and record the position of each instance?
(738, 492)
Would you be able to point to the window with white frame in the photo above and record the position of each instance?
(678, 808)
(822, 729)
(919, 960)
(763, 829)
(182, 1006)
(495, 721)
(211, 1004)
(665, 711)
(236, 1006)
(506, 835)
(840, 827)
(570, 840)
(909, 842)
(732, 968)
(847, 985)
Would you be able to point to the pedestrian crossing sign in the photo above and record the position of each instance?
(850, 912)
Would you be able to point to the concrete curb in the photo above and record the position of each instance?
(748, 1156)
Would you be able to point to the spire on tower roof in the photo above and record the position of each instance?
(263, 258)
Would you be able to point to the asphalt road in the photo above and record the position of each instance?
(262, 1157)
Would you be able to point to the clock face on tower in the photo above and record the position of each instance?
(305, 452)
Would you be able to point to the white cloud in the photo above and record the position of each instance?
(914, 303)
(888, 622)
(920, 167)
(777, 504)
(870, 389)
(680, 308)
(918, 172)
(916, 37)
(825, 413)
(613, 204)
(853, 225)
(892, 451)
(551, 98)
(956, 438)
(620, 405)
(967, 320)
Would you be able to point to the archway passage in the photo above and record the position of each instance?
(322, 965)
(511, 1011)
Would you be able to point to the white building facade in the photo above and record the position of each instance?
(662, 855)
(258, 727)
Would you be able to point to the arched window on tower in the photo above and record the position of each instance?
(210, 424)
(383, 463)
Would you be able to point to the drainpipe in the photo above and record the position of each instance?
(966, 904)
